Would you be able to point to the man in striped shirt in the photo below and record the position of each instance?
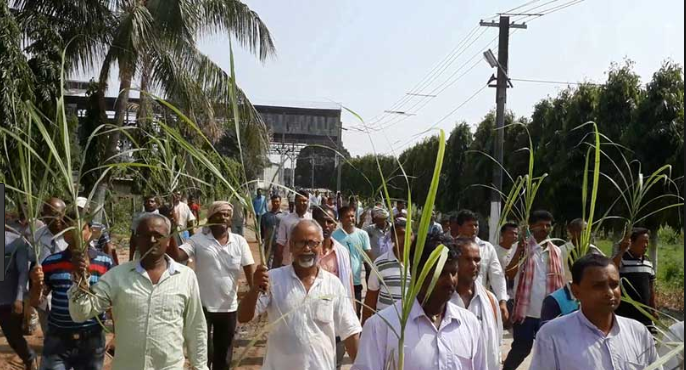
(385, 282)
(69, 344)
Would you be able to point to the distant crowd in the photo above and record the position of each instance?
(334, 282)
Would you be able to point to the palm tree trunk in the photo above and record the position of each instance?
(120, 111)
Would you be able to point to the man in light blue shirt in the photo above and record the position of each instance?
(594, 337)
(259, 203)
(357, 242)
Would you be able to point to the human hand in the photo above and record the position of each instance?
(18, 307)
(37, 275)
(261, 278)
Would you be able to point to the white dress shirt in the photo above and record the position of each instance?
(456, 345)
(487, 311)
(304, 325)
(675, 335)
(218, 268)
(491, 274)
(573, 343)
(154, 322)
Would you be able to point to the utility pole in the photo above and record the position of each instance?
(502, 84)
(312, 170)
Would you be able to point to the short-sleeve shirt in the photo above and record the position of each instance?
(376, 235)
(218, 268)
(270, 226)
(390, 290)
(57, 270)
(356, 242)
(305, 339)
(637, 275)
(183, 215)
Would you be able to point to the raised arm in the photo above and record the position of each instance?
(247, 306)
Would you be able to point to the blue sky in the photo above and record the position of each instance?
(366, 54)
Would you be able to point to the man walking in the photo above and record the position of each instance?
(269, 225)
(540, 275)
(594, 337)
(491, 273)
(70, 344)
(638, 277)
(479, 301)
(185, 221)
(571, 251)
(156, 303)
(335, 259)
(385, 288)
(12, 290)
(259, 204)
(317, 306)
(219, 257)
(357, 242)
(438, 334)
(282, 255)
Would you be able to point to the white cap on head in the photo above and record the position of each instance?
(81, 202)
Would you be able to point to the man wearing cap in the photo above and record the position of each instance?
(101, 240)
(377, 231)
(219, 256)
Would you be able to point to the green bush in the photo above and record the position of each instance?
(667, 235)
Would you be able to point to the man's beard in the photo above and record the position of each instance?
(307, 260)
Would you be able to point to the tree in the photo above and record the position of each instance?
(453, 181)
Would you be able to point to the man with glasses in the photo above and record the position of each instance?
(307, 307)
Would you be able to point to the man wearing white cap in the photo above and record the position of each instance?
(219, 256)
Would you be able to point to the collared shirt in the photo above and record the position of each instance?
(539, 285)
(286, 226)
(183, 215)
(154, 323)
(456, 345)
(16, 272)
(49, 244)
(269, 227)
(305, 338)
(57, 269)
(390, 286)
(489, 319)
(491, 274)
(638, 276)
(551, 307)
(357, 242)
(675, 335)
(218, 268)
(376, 235)
(572, 342)
(259, 203)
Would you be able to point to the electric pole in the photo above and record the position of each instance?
(502, 84)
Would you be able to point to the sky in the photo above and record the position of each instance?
(366, 55)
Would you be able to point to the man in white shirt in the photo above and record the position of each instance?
(183, 216)
(155, 301)
(439, 335)
(479, 301)
(491, 274)
(315, 200)
(509, 235)
(307, 308)
(594, 337)
(675, 335)
(219, 256)
(538, 269)
(281, 255)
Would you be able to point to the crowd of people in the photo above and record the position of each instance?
(333, 283)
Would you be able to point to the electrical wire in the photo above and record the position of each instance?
(554, 82)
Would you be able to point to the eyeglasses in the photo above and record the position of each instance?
(310, 243)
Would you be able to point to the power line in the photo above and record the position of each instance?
(555, 82)
(419, 88)
(433, 73)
